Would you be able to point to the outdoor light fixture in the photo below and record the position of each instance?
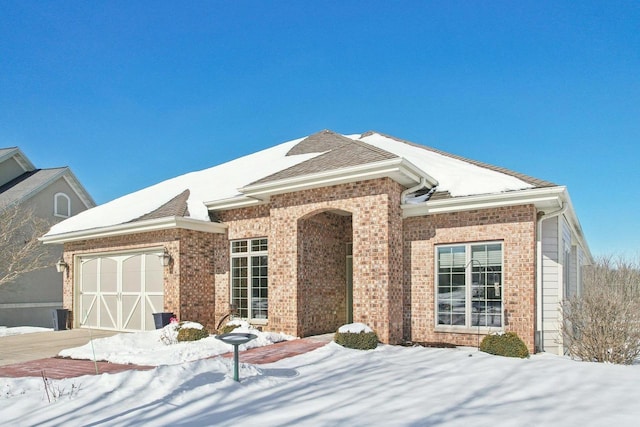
(61, 266)
(165, 258)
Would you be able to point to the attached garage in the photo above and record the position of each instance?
(119, 291)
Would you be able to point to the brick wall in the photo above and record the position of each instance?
(514, 226)
(188, 280)
(376, 232)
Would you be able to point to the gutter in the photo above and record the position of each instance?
(421, 185)
(166, 223)
(539, 335)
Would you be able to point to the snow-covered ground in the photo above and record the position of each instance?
(18, 330)
(390, 386)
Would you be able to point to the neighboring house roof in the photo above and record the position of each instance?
(18, 155)
(34, 180)
(324, 158)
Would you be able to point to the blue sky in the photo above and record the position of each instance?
(131, 93)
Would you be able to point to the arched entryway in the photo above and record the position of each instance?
(325, 294)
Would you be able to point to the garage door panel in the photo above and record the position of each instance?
(108, 311)
(108, 275)
(132, 274)
(90, 276)
(89, 310)
(132, 312)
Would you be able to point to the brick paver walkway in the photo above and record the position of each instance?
(58, 368)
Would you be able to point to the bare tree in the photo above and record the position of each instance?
(603, 323)
(20, 250)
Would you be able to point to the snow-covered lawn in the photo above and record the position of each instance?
(390, 386)
(18, 330)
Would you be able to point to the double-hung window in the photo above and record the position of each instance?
(469, 286)
(249, 279)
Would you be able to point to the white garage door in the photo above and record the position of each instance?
(120, 291)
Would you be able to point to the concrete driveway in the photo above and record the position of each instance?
(40, 345)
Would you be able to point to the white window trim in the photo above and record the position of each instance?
(247, 255)
(467, 329)
(55, 205)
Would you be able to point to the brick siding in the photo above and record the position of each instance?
(514, 226)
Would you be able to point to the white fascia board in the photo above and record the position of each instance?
(398, 169)
(167, 223)
(22, 160)
(240, 201)
(79, 189)
(543, 198)
(576, 228)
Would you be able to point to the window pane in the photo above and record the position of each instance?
(487, 285)
(451, 285)
(249, 278)
(239, 247)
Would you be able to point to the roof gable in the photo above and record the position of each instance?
(342, 153)
(177, 206)
(320, 142)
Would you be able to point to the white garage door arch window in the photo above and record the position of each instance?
(120, 291)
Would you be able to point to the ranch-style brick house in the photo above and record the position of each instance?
(313, 233)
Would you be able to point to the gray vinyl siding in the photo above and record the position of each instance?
(9, 169)
(551, 285)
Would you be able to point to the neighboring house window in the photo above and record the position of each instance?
(249, 280)
(62, 205)
(469, 285)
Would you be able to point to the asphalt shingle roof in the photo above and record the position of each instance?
(174, 207)
(20, 187)
(338, 152)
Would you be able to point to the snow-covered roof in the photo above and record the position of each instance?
(303, 157)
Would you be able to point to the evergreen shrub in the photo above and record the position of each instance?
(358, 341)
(508, 344)
(192, 334)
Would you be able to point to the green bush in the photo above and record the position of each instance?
(360, 341)
(192, 334)
(228, 328)
(508, 344)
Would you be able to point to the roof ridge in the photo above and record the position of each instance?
(536, 182)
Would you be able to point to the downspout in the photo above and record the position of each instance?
(423, 184)
(539, 336)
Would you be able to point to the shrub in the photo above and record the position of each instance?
(229, 327)
(192, 334)
(359, 341)
(508, 344)
(602, 324)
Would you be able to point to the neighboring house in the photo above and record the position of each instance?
(314, 233)
(53, 195)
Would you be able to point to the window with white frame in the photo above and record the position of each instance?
(249, 278)
(61, 205)
(469, 285)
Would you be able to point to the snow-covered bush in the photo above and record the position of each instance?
(176, 332)
(192, 334)
(508, 344)
(229, 327)
(356, 335)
